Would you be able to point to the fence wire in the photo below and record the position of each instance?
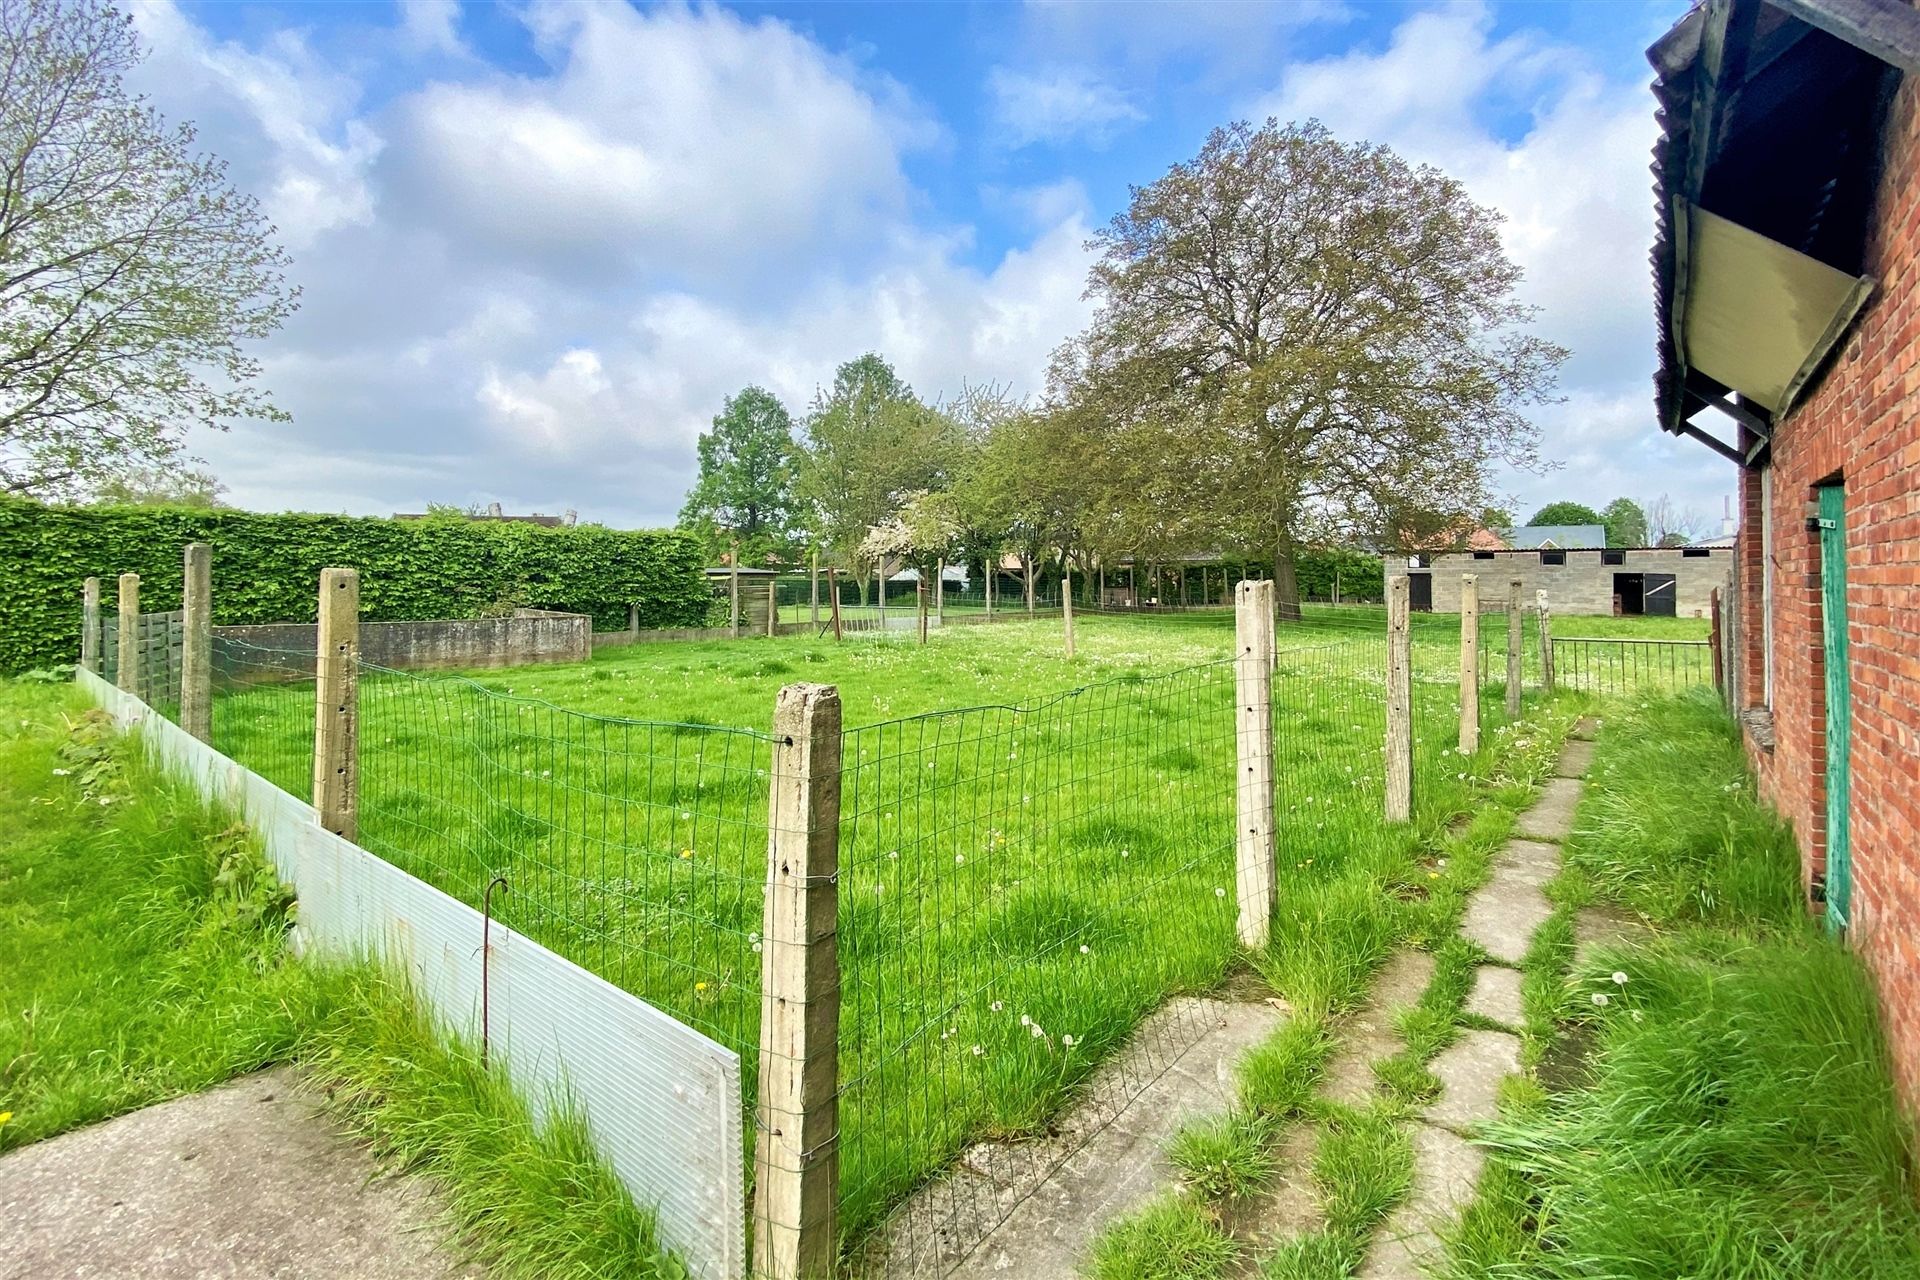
(263, 712)
(1020, 886)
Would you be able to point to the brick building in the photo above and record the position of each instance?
(1656, 581)
(1788, 188)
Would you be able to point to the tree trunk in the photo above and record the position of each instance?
(1286, 583)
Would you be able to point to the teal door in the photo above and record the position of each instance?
(1833, 628)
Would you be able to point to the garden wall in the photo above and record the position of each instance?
(266, 569)
(530, 635)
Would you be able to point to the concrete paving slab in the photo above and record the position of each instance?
(1034, 1208)
(248, 1179)
(1446, 1169)
(1367, 1034)
(1533, 862)
(1576, 757)
(1496, 995)
(1501, 917)
(1470, 1071)
(1551, 817)
(1586, 728)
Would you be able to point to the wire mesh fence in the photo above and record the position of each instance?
(263, 711)
(1019, 887)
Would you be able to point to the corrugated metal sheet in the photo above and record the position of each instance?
(662, 1100)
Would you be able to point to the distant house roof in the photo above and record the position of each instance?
(494, 512)
(1561, 537)
(1462, 537)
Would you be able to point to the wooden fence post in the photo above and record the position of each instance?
(940, 594)
(920, 605)
(1066, 609)
(1546, 638)
(1469, 663)
(773, 607)
(1029, 567)
(733, 590)
(833, 586)
(126, 643)
(196, 642)
(797, 1147)
(990, 566)
(1399, 771)
(1516, 641)
(90, 625)
(815, 593)
(1253, 808)
(336, 704)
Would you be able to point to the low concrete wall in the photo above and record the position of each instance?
(531, 635)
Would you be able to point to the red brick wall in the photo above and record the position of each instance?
(1861, 424)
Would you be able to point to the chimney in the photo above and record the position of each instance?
(1727, 526)
(571, 518)
(494, 511)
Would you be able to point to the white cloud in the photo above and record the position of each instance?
(432, 26)
(1059, 104)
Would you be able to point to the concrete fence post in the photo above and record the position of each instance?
(773, 607)
(990, 567)
(336, 704)
(920, 607)
(833, 588)
(1029, 569)
(940, 594)
(1066, 609)
(1469, 663)
(196, 642)
(126, 643)
(1253, 808)
(797, 1145)
(815, 589)
(733, 590)
(1399, 767)
(880, 585)
(1546, 638)
(90, 625)
(1516, 624)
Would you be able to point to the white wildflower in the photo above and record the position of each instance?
(1601, 998)
(1619, 979)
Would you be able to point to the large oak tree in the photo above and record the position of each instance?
(1302, 340)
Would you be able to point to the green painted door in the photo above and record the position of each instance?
(1833, 627)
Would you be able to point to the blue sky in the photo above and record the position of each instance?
(539, 242)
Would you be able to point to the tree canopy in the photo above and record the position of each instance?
(1626, 523)
(1302, 340)
(1565, 513)
(745, 488)
(131, 273)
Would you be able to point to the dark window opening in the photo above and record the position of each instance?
(1483, 555)
(1553, 557)
(1613, 557)
(1694, 553)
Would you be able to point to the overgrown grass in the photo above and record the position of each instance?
(142, 956)
(1738, 1119)
(1174, 1238)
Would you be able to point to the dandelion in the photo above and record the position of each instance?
(58, 773)
(1219, 893)
(1037, 1032)
(1025, 1021)
(1433, 875)
(1635, 1015)
(1067, 1041)
(1601, 998)
(686, 853)
(1085, 949)
(997, 1006)
(1619, 979)
(699, 986)
(959, 858)
(978, 1051)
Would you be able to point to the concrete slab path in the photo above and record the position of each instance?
(245, 1180)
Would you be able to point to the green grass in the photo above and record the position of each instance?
(142, 957)
(1060, 856)
(1174, 1238)
(1738, 1119)
(1362, 1168)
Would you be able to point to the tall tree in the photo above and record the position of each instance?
(162, 487)
(870, 444)
(1626, 523)
(1670, 525)
(1304, 339)
(745, 489)
(131, 273)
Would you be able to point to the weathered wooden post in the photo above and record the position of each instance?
(1399, 771)
(987, 561)
(1546, 638)
(336, 705)
(126, 641)
(733, 590)
(815, 593)
(90, 625)
(773, 607)
(797, 1148)
(196, 642)
(1253, 808)
(1469, 663)
(1028, 558)
(920, 602)
(1516, 624)
(940, 594)
(1066, 609)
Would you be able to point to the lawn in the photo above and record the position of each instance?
(1021, 880)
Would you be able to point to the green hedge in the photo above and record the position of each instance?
(266, 568)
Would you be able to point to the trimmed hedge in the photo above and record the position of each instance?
(266, 568)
